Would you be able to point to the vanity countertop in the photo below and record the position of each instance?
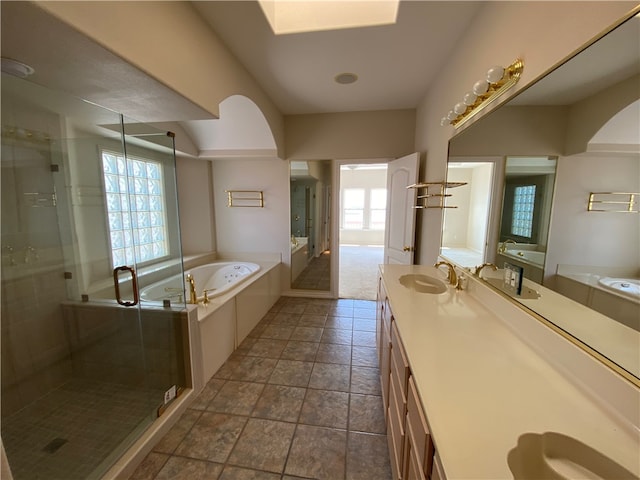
(482, 386)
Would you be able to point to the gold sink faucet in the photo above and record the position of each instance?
(451, 275)
(193, 296)
(490, 265)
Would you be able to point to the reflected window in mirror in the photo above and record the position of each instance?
(526, 212)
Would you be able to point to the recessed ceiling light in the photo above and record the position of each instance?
(346, 78)
(15, 68)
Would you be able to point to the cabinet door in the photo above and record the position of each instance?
(380, 306)
(399, 362)
(413, 467)
(418, 429)
(437, 472)
(396, 428)
(385, 367)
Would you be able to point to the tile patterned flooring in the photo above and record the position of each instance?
(299, 399)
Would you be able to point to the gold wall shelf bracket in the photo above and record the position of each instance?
(433, 194)
(245, 198)
(615, 202)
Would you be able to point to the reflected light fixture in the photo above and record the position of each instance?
(483, 92)
(16, 68)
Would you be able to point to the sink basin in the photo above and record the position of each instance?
(554, 456)
(423, 283)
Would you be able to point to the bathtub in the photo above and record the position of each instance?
(531, 256)
(218, 278)
(628, 287)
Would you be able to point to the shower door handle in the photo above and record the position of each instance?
(134, 285)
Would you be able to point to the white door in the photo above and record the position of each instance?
(401, 216)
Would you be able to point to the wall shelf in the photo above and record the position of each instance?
(245, 198)
(433, 194)
(618, 202)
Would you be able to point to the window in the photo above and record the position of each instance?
(353, 208)
(364, 208)
(524, 199)
(134, 190)
(377, 208)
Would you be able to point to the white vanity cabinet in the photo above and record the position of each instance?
(411, 448)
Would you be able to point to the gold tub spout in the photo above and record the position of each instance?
(193, 297)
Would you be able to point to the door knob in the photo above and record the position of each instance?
(407, 249)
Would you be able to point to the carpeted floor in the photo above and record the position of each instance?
(359, 271)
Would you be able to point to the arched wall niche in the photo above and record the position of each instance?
(621, 133)
(242, 130)
(589, 116)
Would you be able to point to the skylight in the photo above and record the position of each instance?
(297, 16)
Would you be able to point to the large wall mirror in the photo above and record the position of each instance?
(553, 180)
(310, 189)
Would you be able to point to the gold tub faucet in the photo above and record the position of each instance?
(193, 296)
(503, 247)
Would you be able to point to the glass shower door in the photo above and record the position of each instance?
(82, 377)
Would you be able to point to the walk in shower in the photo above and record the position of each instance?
(89, 216)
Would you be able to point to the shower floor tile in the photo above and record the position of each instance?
(68, 433)
(313, 410)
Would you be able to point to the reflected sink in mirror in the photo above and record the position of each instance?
(423, 283)
(554, 456)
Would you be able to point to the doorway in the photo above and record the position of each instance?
(361, 233)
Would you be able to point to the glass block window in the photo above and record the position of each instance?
(524, 199)
(134, 190)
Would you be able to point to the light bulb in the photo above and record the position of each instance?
(444, 122)
(460, 108)
(480, 87)
(469, 98)
(495, 74)
(451, 115)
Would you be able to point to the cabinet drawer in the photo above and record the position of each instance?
(399, 362)
(417, 424)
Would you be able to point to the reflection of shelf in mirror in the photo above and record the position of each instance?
(245, 198)
(445, 184)
(439, 193)
(616, 202)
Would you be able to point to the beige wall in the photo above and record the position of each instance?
(195, 204)
(252, 229)
(165, 40)
(541, 33)
(350, 135)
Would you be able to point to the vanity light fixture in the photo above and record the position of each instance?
(497, 81)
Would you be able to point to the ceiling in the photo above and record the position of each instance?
(394, 63)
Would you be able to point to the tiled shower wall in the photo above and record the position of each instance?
(108, 343)
(35, 349)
